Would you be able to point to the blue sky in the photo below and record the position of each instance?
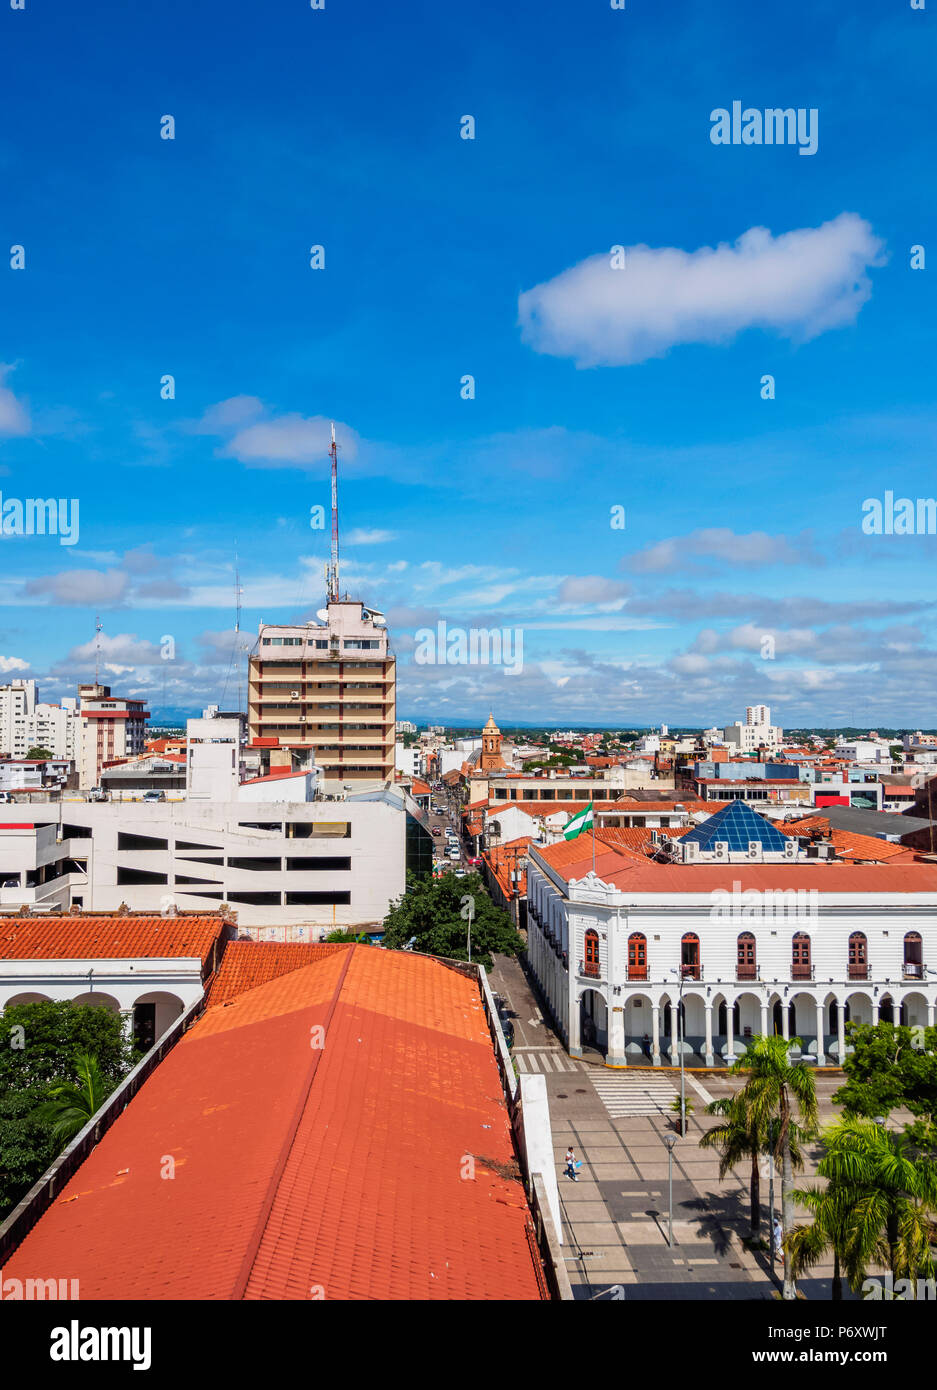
(594, 388)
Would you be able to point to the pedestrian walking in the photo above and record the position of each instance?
(647, 1047)
(572, 1165)
(778, 1233)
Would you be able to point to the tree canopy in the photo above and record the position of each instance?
(892, 1066)
(39, 1044)
(435, 911)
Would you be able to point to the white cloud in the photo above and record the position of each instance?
(592, 588)
(292, 441)
(13, 663)
(361, 535)
(740, 550)
(798, 284)
(229, 415)
(14, 417)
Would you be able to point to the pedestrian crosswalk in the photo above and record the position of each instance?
(633, 1092)
(543, 1063)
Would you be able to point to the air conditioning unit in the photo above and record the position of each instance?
(790, 849)
(294, 694)
(690, 850)
(754, 849)
(721, 849)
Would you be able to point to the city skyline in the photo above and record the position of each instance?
(741, 569)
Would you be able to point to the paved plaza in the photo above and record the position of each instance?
(615, 1217)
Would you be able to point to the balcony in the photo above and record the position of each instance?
(912, 970)
(801, 970)
(637, 972)
(590, 969)
(693, 971)
(857, 970)
(746, 971)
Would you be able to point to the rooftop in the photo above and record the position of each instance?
(116, 936)
(334, 1171)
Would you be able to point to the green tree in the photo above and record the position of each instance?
(71, 1104)
(435, 912)
(773, 1088)
(741, 1137)
(39, 753)
(348, 938)
(892, 1067)
(877, 1209)
(38, 1044)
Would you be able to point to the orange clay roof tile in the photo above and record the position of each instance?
(308, 1163)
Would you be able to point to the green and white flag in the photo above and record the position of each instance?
(577, 824)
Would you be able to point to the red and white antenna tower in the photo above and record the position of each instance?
(332, 583)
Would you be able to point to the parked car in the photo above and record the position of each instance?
(152, 796)
(474, 860)
(454, 854)
(436, 830)
(459, 873)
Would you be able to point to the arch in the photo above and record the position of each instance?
(27, 997)
(690, 956)
(637, 956)
(746, 967)
(593, 1020)
(153, 1013)
(97, 999)
(858, 966)
(801, 959)
(914, 1009)
(590, 964)
(886, 1009)
(859, 1007)
(638, 1025)
(803, 1018)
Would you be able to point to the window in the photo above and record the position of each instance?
(590, 965)
(913, 956)
(689, 956)
(139, 876)
(637, 956)
(800, 957)
(858, 956)
(311, 899)
(745, 957)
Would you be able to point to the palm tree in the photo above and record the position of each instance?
(740, 1137)
(774, 1086)
(70, 1106)
(829, 1232)
(884, 1204)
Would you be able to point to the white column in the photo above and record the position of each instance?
(730, 1031)
(574, 1046)
(709, 1057)
(821, 1033)
(674, 1055)
(655, 1035)
(785, 1020)
(931, 1013)
(841, 1030)
(874, 1011)
(764, 1020)
(616, 1037)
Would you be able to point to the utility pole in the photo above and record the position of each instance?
(98, 629)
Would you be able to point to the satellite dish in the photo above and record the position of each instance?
(322, 614)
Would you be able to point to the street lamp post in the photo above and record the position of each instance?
(670, 1140)
(680, 1030)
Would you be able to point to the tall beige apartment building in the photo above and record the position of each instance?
(327, 690)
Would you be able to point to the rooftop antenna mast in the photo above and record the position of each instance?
(332, 578)
(237, 623)
(98, 628)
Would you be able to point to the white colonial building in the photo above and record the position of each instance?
(753, 931)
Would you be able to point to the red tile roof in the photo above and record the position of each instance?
(274, 776)
(247, 964)
(304, 1171)
(631, 872)
(116, 936)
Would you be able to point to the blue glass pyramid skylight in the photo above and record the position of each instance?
(737, 824)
